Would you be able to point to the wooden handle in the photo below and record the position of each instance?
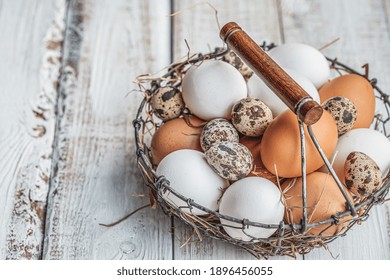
(292, 94)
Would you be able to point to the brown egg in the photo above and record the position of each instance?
(176, 134)
(358, 90)
(281, 144)
(259, 170)
(324, 199)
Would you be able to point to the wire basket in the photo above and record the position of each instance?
(288, 239)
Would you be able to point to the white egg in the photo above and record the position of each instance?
(370, 142)
(253, 198)
(258, 89)
(190, 175)
(211, 88)
(304, 59)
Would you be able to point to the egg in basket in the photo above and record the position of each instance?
(258, 147)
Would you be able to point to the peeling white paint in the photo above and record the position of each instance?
(28, 189)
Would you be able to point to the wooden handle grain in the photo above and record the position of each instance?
(289, 91)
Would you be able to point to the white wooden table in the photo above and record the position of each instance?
(67, 158)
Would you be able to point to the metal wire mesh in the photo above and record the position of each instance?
(288, 239)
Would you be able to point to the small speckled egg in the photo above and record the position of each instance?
(236, 61)
(343, 112)
(362, 174)
(217, 131)
(231, 160)
(251, 117)
(167, 103)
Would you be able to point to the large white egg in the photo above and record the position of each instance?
(304, 59)
(211, 88)
(364, 140)
(253, 198)
(190, 175)
(258, 89)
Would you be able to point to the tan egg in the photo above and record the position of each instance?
(358, 90)
(167, 103)
(254, 144)
(176, 134)
(281, 144)
(362, 174)
(324, 199)
(231, 160)
(251, 117)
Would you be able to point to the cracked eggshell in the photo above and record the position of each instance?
(211, 88)
(217, 131)
(304, 59)
(251, 117)
(343, 112)
(191, 176)
(167, 103)
(362, 174)
(258, 89)
(253, 198)
(231, 160)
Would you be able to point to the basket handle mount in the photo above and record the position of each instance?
(289, 91)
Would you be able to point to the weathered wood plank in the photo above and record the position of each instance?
(386, 4)
(197, 23)
(199, 27)
(31, 36)
(364, 33)
(95, 178)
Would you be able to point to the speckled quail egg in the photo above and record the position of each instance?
(217, 131)
(251, 117)
(343, 112)
(167, 103)
(362, 174)
(236, 61)
(231, 160)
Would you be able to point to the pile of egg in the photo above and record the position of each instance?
(238, 152)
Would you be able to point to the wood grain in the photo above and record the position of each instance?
(30, 55)
(199, 28)
(386, 4)
(286, 88)
(95, 178)
(362, 27)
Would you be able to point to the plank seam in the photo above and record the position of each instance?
(67, 78)
(26, 229)
(280, 20)
(386, 11)
(171, 42)
(53, 171)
